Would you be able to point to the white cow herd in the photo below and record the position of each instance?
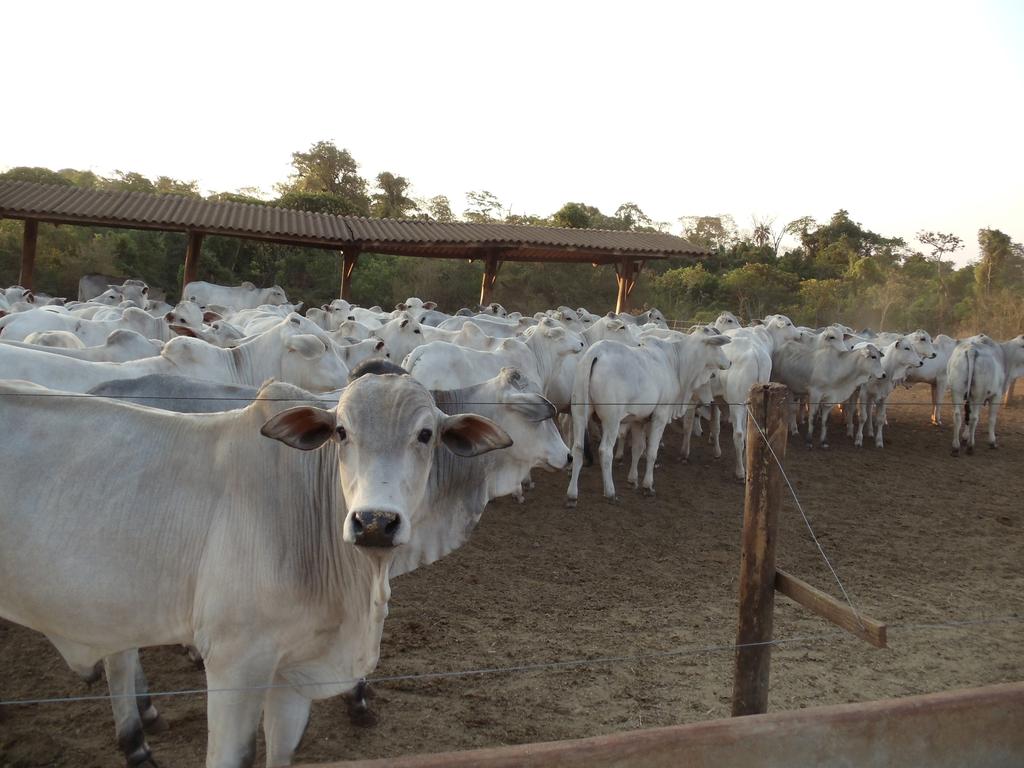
(274, 471)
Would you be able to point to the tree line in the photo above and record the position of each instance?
(834, 270)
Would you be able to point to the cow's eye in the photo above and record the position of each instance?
(341, 433)
(424, 436)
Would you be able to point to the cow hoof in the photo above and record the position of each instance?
(96, 674)
(954, 452)
(612, 499)
(633, 484)
(156, 725)
(570, 503)
(824, 446)
(741, 480)
(718, 455)
(970, 450)
(684, 459)
(648, 492)
(361, 717)
(993, 446)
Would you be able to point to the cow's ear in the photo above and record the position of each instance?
(305, 427)
(209, 317)
(307, 345)
(400, 305)
(532, 407)
(718, 340)
(429, 305)
(470, 435)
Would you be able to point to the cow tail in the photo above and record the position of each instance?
(972, 360)
(580, 405)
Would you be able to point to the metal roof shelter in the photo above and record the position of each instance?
(493, 244)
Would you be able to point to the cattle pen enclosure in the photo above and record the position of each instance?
(646, 591)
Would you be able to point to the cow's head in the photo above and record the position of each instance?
(387, 429)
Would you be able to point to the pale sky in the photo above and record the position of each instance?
(909, 115)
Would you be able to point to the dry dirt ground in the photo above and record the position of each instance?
(917, 536)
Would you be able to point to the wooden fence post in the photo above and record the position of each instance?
(349, 260)
(26, 277)
(192, 249)
(757, 558)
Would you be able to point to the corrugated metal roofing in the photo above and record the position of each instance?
(48, 202)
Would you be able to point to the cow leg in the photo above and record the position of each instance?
(122, 671)
(739, 438)
(234, 705)
(823, 410)
(879, 424)
(284, 722)
(688, 417)
(636, 449)
(791, 406)
(655, 430)
(573, 491)
(853, 402)
(867, 414)
(993, 414)
(716, 430)
(972, 424)
(938, 392)
(958, 416)
(606, 453)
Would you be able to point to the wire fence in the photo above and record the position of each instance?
(528, 666)
(333, 401)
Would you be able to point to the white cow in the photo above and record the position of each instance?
(490, 325)
(263, 579)
(402, 335)
(17, 327)
(823, 374)
(57, 339)
(440, 365)
(869, 400)
(933, 373)
(610, 328)
(121, 346)
(652, 383)
(295, 351)
(980, 372)
(244, 296)
(750, 364)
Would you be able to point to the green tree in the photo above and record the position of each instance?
(391, 202)
(438, 208)
(37, 175)
(573, 216)
(482, 207)
(756, 289)
(712, 232)
(325, 169)
(819, 300)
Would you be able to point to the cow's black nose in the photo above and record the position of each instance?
(883, 375)
(933, 355)
(375, 527)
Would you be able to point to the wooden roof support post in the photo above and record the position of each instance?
(491, 267)
(28, 253)
(192, 249)
(757, 556)
(626, 274)
(349, 259)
